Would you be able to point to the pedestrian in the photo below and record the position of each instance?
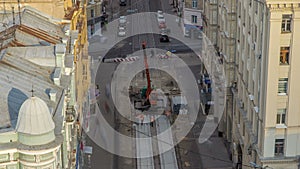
(142, 119)
(152, 121)
(152, 53)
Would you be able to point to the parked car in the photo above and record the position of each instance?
(159, 12)
(122, 21)
(164, 38)
(122, 2)
(121, 31)
(164, 31)
(160, 18)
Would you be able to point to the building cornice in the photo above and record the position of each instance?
(192, 10)
(37, 164)
(41, 149)
(283, 6)
(8, 163)
(279, 159)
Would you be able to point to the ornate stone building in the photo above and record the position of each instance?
(192, 17)
(263, 127)
(54, 8)
(39, 120)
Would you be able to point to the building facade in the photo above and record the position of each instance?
(39, 56)
(192, 16)
(36, 143)
(210, 20)
(219, 20)
(95, 10)
(268, 94)
(257, 41)
(54, 8)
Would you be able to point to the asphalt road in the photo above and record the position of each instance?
(104, 73)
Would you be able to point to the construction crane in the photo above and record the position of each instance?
(147, 71)
(143, 102)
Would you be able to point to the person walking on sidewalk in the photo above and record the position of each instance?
(152, 120)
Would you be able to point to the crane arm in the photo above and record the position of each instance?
(147, 71)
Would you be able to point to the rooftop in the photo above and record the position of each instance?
(20, 76)
(34, 117)
(36, 29)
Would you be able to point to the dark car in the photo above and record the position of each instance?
(122, 2)
(164, 38)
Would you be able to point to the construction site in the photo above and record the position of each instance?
(156, 101)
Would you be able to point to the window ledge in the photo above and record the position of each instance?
(286, 32)
(281, 126)
(282, 94)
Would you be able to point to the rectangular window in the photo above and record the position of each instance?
(92, 29)
(280, 116)
(194, 4)
(284, 55)
(92, 13)
(255, 6)
(243, 129)
(194, 19)
(279, 147)
(282, 86)
(286, 23)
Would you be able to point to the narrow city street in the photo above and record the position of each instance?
(189, 154)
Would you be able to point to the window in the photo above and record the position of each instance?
(92, 29)
(255, 6)
(194, 19)
(286, 23)
(284, 55)
(243, 129)
(280, 116)
(92, 13)
(194, 4)
(279, 147)
(255, 34)
(282, 86)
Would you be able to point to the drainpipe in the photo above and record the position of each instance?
(232, 94)
(217, 34)
(234, 78)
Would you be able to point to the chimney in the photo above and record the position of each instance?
(57, 76)
(52, 95)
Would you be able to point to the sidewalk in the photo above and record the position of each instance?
(214, 154)
(211, 154)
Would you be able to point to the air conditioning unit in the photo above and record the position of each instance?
(256, 109)
(251, 97)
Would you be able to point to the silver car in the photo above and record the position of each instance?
(121, 31)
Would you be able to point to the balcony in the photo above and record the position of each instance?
(70, 115)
